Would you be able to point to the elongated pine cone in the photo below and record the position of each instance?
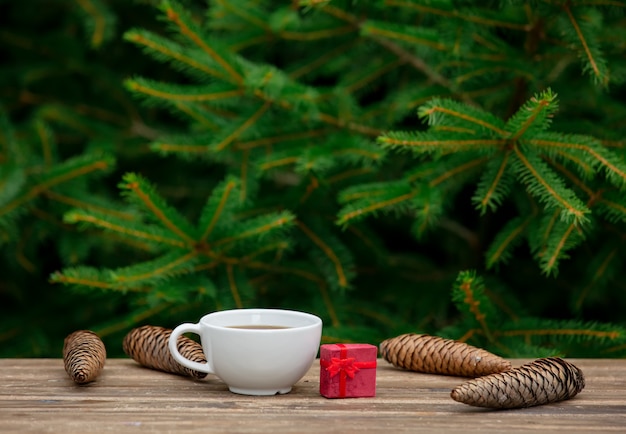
(435, 355)
(540, 382)
(147, 345)
(84, 355)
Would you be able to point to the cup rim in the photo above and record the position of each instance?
(206, 320)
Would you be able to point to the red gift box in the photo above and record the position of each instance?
(348, 370)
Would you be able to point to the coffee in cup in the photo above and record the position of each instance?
(254, 351)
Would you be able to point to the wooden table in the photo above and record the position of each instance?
(37, 396)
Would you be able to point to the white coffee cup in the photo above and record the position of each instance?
(254, 351)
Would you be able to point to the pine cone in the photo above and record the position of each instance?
(540, 382)
(147, 345)
(84, 355)
(435, 355)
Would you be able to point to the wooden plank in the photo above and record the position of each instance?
(37, 396)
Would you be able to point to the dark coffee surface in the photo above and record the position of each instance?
(259, 327)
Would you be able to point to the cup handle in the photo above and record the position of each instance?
(173, 347)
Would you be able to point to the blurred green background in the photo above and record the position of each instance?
(72, 128)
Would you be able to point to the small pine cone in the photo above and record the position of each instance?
(435, 355)
(540, 382)
(148, 346)
(84, 355)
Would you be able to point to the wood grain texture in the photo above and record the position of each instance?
(36, 396)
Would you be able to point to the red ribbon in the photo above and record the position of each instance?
(345, 367)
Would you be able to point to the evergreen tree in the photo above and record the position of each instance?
(351, 159)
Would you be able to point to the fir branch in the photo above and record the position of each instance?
(278, 247)
(178, 17)
(166, 148)
(545, 225)
(101, 20)
(321, 59)
(141, 192)
(12, 152)
(532, 117)
(453, 170)
(349, 125)
(547, 187)
(485, 72)
(420, 65)
(46, 139)
(168, 92)
(280, 269)
(499, 251)
(461, 14)
(313, 161)
(469, 296)
(310, 188)
(138, 316)
(255, 40)
(562, 238)
(200, 114)
(583, 29)
(372, 75)
(429, 211)
(72, 169)
(165, 50)
(316, 35)
(368, 199)
(608, 3)
(146, 273)
(451, 113)
(123, 227)
(59, 174)
(339, 269)
(613, 206)
(12, 182)
(372, 190)
(563, 329)
(411, 34)
(494, 184)
(273, 161)
(282, 137)
(233, 286)
(604, 270)
(613, 165)
(84, 277)
(250, 13)
(245, 167)
(83, 204)
(352, 212)
(251, 120)
(429, 142)
(581, 163)
(219, 206)
(257, 227)
(305, 274)
(360, 155)
(347, 174)
(403, 55)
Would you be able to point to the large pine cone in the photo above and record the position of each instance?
(540, 382)
(84, 355)
(435, 355)
(148, 345)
